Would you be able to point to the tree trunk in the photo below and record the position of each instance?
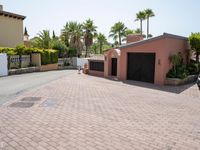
(86, 51)
(120, 42)
(147, 27)
(140, 26)
(100, 47)
(197, 57)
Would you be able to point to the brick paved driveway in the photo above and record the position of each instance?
(82, 112)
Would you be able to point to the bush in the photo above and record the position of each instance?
(54, 56)
(181, 72)
(193, 68)
(9, 51)
(60, 46)
(47, 56)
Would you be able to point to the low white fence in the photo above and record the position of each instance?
(3, 65)
(74, 61)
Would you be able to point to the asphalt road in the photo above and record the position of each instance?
(12, 86)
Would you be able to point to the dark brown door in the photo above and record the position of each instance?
(114, 67)
(141, 67)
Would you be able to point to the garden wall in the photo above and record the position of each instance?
(15, 60)
(3, 65)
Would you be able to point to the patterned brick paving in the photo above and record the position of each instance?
(81, 112)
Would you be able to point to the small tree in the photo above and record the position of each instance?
(195, 44)
(175, 59)
(20, 49)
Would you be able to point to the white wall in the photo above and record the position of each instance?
(81, 62)
(3, 65)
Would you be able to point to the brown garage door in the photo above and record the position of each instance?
(141, 67)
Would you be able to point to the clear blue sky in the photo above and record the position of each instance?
(179, 17)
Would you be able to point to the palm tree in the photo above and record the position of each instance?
(118, 31)
(128, 31)
(89, 33)
(148, 13)
(101, 39)
(137, 31)
(140, 16)
(43, 40)
(65, 34)
(75, 36)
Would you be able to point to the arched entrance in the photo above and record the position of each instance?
(112, 60)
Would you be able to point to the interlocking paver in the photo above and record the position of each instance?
(101, 114)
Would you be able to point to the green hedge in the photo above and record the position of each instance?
(48, 56)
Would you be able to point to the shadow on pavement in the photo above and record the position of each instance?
(173, 89)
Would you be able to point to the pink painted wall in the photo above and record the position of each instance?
(96, 73)
(162, 48)
(93, 72)
(108, 62)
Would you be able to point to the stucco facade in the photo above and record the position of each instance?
(11, 29)
(162, 46)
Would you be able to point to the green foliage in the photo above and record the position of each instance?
(60, 46)
(179, 69)
(48, 56)
(181, 72)
(118, 32)
(72, 52)
(90, 32)
(9, 51)
(195, 44)
(101, 40)
(176, 60)
(20, 49)
(193, 68)
(43, 40)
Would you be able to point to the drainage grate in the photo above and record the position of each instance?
(21, 105)
(31, 99)
(49, 102)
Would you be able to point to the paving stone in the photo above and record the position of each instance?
(101, 114)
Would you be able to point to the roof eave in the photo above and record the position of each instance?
(165, 35)
(8, 14)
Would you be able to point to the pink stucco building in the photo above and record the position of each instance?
(144, 60)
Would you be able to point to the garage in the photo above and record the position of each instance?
(141, 67)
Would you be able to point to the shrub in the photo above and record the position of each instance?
(54, 56)
(9, 51)
(60, 46)
(181, 72)
(193, 68)
(47, 56)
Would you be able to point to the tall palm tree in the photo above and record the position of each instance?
(148, 13)
(101, 39)
(75, 36)
(140, 16)
(118, 31)
(89, 33)
(65, 34)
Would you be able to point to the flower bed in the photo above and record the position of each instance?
(177, 81)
